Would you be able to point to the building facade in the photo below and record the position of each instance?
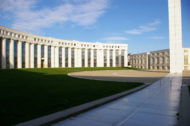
(157, 60)
(24, 50)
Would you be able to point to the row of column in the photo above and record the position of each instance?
(29, 56)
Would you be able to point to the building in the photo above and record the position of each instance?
(23, 50)
(157, 60)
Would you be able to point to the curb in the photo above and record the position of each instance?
(44, 120)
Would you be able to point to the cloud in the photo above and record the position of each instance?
(115, 38)
(144, 28)
(134, 31)
(28, 17)
(157, 37)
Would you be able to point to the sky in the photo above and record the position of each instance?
(142, 24)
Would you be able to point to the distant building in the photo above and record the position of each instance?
(157, 60)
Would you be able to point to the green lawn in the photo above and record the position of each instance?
(26, 94)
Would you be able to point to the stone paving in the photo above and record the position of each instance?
(155, 105)
(121, 75)
(184, 111)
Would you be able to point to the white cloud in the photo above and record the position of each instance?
(144, 28)
(157, 37)
(116, 38)
(28, 18)
(134, 31)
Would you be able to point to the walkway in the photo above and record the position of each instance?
(155, 105)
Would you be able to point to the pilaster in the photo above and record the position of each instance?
(19, 54)
(11, 53)
(92, 58)
(31, 55)
(3, 53)
(38, 56)
(45, 65)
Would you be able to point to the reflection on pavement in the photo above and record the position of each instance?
(155, 105)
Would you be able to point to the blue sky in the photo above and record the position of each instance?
(142, 24)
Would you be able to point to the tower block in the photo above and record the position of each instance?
(175, 36)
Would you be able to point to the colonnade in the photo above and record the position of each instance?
(22, 50)
(156, 60)
(139, 60)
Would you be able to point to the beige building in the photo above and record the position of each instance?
(157, 60)
(23, 50)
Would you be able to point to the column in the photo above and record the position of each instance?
(113, 57)
(56, 57)
(119, 51)
(38, 56)
(100, 58)
(75, 57)
(11, 53)
(97, 58)
(45, 56)
(3, 53)
(69, 57)
(52, 57)
(165, 61)
(85, 57)
(156, 62)
(31, 55)
(79, 57)
(92, 58)
(63, 57)
(146, 61)
(19, 54)
(108, 58)
(125, 58)
(175, 36)
(27, 64)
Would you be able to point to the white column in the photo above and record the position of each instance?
(147, 60)
(79, 57)
(27, 63)
(113, 57)
(63, 57)
(69, 57)
(32, 55)
(56, 56)
(100, 58)
(52, 57)
(45, 56)
(11, 53)
(92, 58)
(75, 57)
(97, 58)
(3, 53)
(86, 57)
(175, 32)
(19, 54)
(38, 56)
(119, 57)
(126, 58)
(108, 58)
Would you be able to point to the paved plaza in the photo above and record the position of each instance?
(122, 75)
(157, 105)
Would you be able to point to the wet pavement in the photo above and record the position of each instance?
(155, 105)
